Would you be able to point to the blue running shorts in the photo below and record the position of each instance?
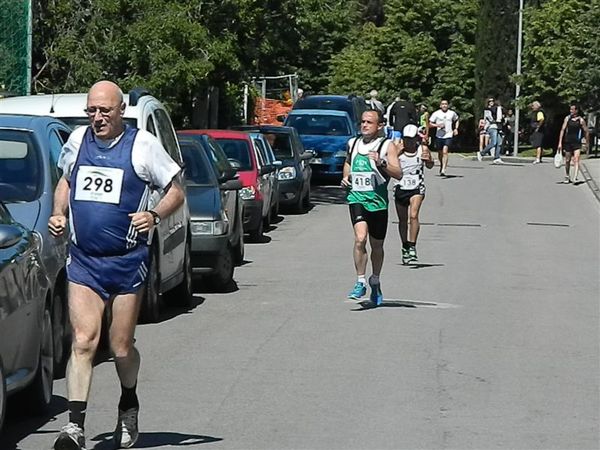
(109, 275)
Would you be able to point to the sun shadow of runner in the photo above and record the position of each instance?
(156, 440)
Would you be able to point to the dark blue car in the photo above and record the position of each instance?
(326, 134)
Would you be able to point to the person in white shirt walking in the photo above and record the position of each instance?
(446, 121)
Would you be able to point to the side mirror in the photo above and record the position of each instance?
(277, 164)
(267, 168)
(306, 155)
(235, 163)
(229, 174)
(280, 118)
(231, 185)
(9, 235)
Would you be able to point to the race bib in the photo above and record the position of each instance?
(99, 184)
(363, 181)
(409, 182)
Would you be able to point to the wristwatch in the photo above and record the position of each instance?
(155, 216)
(382, 163)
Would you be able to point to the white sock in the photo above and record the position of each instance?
(374, 279)
(362, 279)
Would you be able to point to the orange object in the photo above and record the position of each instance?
(266, 111)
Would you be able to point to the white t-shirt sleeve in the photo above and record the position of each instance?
(433, 118)
(151, 161)
(68, 155)
(454, 117)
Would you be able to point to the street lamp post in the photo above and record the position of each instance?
(518, 85)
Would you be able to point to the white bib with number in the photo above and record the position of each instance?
(410, 181)
(99, 184)
(363, 181)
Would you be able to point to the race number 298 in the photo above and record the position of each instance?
(99, 184)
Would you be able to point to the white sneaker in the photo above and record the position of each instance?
(498, 161)
(479, 156)
(536, 161)
(126, 432)
(70, 438)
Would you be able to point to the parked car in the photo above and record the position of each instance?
(326, 133)
(215, 214)
(352, 104)
(170, 268)
(26, 348)
(257, 187)
(265, 152)
(295, 173)
(29, 150)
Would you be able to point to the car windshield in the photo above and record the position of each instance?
(322, 103)
(237, 149)
(197, 168)
(317, 124)
(281, 143)
(76, 122)
(20, 167)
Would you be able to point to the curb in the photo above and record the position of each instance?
(590, 181)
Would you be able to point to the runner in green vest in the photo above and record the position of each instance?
(371, 161)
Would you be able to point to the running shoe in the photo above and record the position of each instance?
(405, 256)
(126, 432)
(442, 173)
(567, 180)
(498, 161)
(70, 438)
(536, 161)
(479, 156)
(412, 255)
(358, 291)
(376, 296)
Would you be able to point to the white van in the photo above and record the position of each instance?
(170, 271)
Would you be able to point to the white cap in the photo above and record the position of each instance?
(410, 131)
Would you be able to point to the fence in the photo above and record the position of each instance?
(15, 47)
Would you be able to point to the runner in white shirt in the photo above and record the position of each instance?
(446, 122)
(409, 191)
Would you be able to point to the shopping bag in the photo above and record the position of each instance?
(558, 159)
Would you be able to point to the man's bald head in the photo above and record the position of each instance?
(105, 108)
(107, 89)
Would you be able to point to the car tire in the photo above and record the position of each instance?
(182, 295)
(38, 394)
(306, 201)
(60, 323)
(223, 273)
(152, 299)
(238, 250)
(275, 210)
(299, 205)
(257, 234)
(2, 395)
(267, 220)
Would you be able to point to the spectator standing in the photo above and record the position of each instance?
(509, 127)
(484, 137)
(446, 121)
(538, 125)
(423, 121)
(494, 118)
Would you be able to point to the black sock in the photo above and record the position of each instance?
(406, 245)
(411, 244)
(129, 398)
(77, 412)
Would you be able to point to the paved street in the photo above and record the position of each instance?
(490, 343)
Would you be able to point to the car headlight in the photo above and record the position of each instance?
(248, 193)
(340, 154)
(287, 173)
(208, 228)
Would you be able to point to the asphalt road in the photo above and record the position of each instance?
(490, 343)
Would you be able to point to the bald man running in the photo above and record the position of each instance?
(109, 169)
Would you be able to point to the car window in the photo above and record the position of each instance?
(150, 127)
(197, 168)
(319, 124)
(20, 167)
(56, 145)
(237, 149)
(218, 156)
(262, 153)
(167, 135)
(281, 144)
(63, 134)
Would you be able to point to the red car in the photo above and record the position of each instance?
(254, 174)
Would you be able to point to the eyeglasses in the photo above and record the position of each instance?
(103, 110)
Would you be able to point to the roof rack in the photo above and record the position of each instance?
(135, 94)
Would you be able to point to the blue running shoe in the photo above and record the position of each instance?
(376, 295)
(358, 291)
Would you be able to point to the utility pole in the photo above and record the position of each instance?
(518, 85)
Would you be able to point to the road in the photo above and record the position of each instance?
(490, 343)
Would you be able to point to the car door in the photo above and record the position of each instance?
(173, 229)
(277, 164)
(304, 163)
(228, 197)
(269, 178)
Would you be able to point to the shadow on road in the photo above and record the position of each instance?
(323, 195)
(20, 423)
(366, 305)
(156, 440)
(420, 265)
(448, 177)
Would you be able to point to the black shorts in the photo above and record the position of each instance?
(403, 196)
(377, 221)
(440, 143)
(571, 146)
(536, 139)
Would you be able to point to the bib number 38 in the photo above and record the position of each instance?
(99, 184)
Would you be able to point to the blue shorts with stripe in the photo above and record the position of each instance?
(109, 275)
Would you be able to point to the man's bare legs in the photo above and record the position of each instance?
(361, 232)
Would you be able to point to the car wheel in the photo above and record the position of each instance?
(39, 392)
(152, 298)
(299, 206)
(2, 395)
(238, 250)
(306, 202)
(223, 273)
(182, 295)
(257, 234)
(59, 332)
(267, 220)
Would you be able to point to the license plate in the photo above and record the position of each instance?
(316, 161)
